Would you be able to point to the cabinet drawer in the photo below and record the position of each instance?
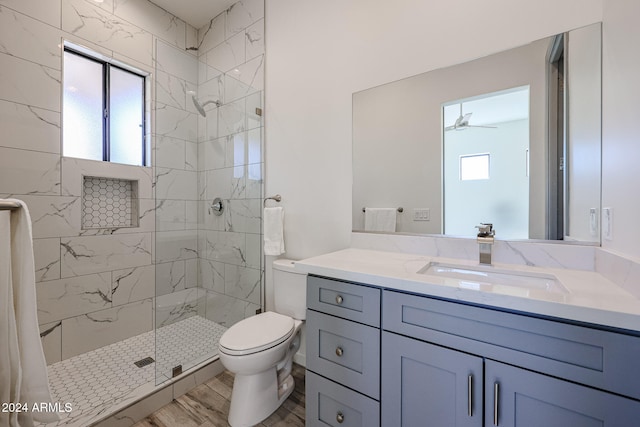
(344, 351)
(346, 300)
(585, 355)
(330, 404)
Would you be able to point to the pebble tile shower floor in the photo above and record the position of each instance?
(96, 381)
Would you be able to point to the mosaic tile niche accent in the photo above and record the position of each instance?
(109, 203)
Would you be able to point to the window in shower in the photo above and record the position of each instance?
(103, 109)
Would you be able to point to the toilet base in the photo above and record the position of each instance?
(246, 410)
(257, 395)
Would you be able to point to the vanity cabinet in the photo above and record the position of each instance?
(343, 354)
(519, 370)
(422, 361)
(427, 385)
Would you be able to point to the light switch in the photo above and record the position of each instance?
(593, 221)
(422, 214)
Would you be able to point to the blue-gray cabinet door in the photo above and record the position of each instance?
(517, 397)
(427, 385)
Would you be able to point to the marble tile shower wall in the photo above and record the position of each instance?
(230, 161)
(96, 286)
(176, 186)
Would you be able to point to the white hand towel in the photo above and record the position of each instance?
(380, 219)
(23, 369)
(274, 231)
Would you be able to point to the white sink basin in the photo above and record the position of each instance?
(489, 278)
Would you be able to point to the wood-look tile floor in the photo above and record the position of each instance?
(208, 406)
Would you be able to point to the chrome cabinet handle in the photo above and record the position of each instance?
(339, 299)
(496, 397)
(340, 417)
(470, 395)
(339, 351)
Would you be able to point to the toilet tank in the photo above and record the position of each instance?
(289, 289)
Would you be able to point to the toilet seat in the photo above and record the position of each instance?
(256, 333)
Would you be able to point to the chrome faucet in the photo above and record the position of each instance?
(485, 240)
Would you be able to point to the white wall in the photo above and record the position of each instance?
(583, 148)
(319, 53)
(620, 109)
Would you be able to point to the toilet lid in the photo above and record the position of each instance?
(256, 333)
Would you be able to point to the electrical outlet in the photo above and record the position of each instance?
(607, 223)
(423, 214)
(593, 221)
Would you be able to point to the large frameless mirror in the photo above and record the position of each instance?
(512, 139)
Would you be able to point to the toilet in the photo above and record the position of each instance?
(259, 350)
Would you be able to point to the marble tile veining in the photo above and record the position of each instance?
(255, 39)
(228, 54)
(92, 254)
(176, 62)
(180, 305)
(30, 39)
(94, 330)
(29, 128)
(132, 284)
(243, 283)
(48, 11)
(212, 34)
(29, 83)
(46, 253)
(242, 14)
(176, 245)
(152, 18)
(226, 310)
(28, 172)
(87, 20)
(171, 277)
(73, 296)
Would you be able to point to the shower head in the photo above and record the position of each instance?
(200, 107)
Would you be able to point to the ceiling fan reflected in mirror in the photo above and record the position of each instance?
(462, 122)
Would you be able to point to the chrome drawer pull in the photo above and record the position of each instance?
(339, 299)
(496, 397)
(340, 417)
(339, 351)
(470, 395)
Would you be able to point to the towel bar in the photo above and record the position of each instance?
(8, 206)
(400, 209)
(277, 198)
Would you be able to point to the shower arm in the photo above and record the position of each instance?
(212, 102)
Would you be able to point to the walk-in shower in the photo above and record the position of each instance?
(174, 282)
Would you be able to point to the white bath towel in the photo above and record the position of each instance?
(23, 370)
(273, 231)
(380, 219)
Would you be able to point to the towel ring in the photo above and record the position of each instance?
(277, 198)
(400, 209)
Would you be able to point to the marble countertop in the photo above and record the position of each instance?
(590, 297)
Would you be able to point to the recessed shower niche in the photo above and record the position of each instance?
(109, 203)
